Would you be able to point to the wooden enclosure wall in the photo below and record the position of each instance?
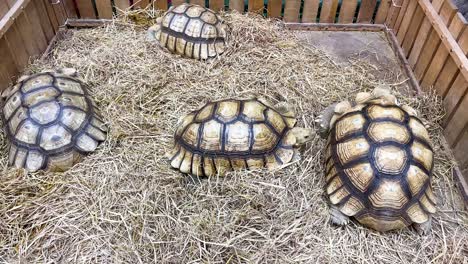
(26, 29)
(306, 11)
(434, 37)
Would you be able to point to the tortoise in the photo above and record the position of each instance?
(190, 30)
(378, 162)
(50, 121)
(233, 134)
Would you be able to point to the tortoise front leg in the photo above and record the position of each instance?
(337, 217)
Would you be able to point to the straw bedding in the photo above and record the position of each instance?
(123, 203)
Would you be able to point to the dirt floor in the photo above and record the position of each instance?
(124, 204)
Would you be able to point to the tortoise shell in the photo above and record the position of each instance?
(232, 135)
(191, 31)
(50, 121)
(379, 163)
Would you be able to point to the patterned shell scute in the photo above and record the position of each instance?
(50, 122)
(231, 134)
(379, 163)
(193, 31)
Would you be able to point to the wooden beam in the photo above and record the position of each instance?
(335, 27)
(11, 15)
(447, 39)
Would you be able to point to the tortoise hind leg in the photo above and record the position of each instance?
(424, 228)
(337, 217)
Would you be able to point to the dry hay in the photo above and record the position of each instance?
(124, 204)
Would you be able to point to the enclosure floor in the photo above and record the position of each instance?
(347, 47)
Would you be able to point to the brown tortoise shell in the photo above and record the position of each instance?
(232, 135)
(379, 163)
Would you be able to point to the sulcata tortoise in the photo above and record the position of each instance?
(236, 134)
(378, 163)
(50, 121)
(191, 31)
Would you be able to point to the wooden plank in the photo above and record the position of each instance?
(123, 5)
(161, 4)
(238, 5)
(70, 9)
(86, 9)
(447, 12)
(412, 31)
(50, 12)
(366, 11)
(328, 13)
(457, 122)
(335, 27)
(137, 3)
(216, 5)
(347, 11)
(460, 150)
(8, 66)
(274, 8)
(463, 41)
(462, 177)
(202, 2)
(11, 15)
(17, 48)
(291, 11)
(310, 11)
(405, 24)
(454, 97)
(3, 8)
(401, 15)
(27, 33)
(32, 17)
(104, 9)
(46, 24)
(438, 61)
(393, 13)
(10, 3)
(60, 13)
(256, 6)
(383, 11)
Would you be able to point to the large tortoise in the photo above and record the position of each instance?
(190, 30)
(50, 121)
(236, 134)
(379, 163)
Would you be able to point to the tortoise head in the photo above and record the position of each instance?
(302, 135)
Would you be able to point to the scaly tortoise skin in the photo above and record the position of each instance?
(234, 134)
(191, 31)
(379, 163)
(50, 121)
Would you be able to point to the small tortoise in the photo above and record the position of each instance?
(378, 163)
(50, 121)
(191, 31)
(236, 134)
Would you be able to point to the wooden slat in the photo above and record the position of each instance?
(413, 30)
(160, 4)
(70, 8)
(104, 9)
(256, 6)
(460, 150)
(202, 3)
(216, 5)
(274, 8)
(433, 40)
(382, 12)
(50, 12)
(10, 3)
(17, 48)
(401, 15)
(86, 9)
(347, 11)
(291, 11)
(7, 67)
(438, 61)
(366, 11)
(27, 33)
(447, 12)
(3, 8)
(137, 3)
(238, 5)
(177, 2)
(60, 13)
(328, 13)
(454, 96)
(46, 24)
(11, 15)
(393, 13)
(336, 27)
(405, 24)
(123, 5)
(310, 11)
(32, 17)
(457, 123)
